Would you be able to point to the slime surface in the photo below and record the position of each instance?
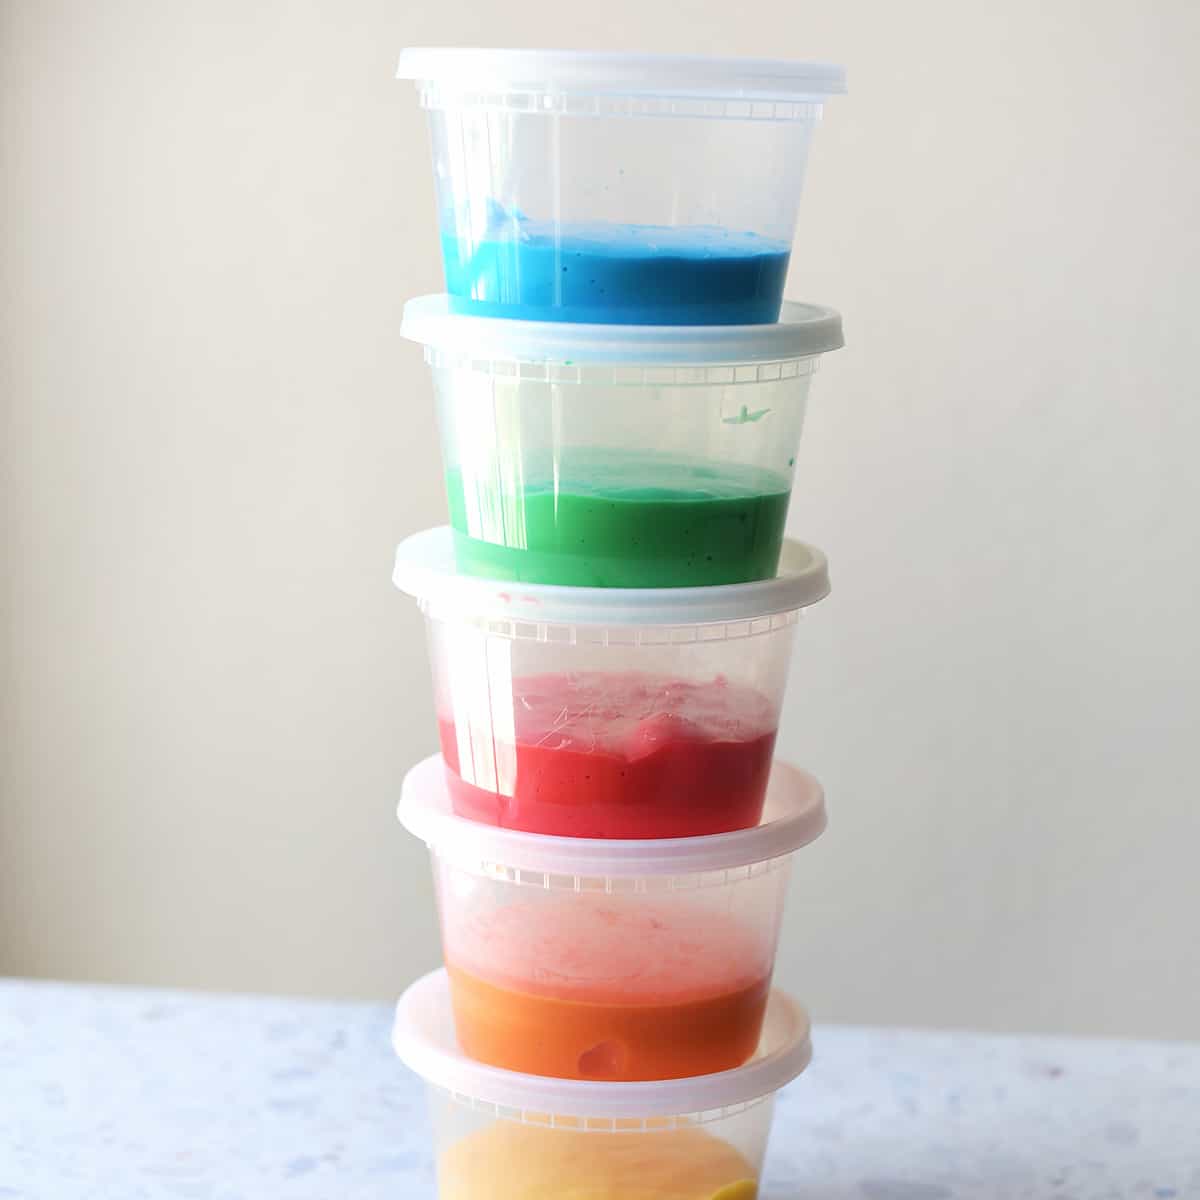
(628, 520)
(509, 1161)
(606, 273)
(601, 987)
(614, 755)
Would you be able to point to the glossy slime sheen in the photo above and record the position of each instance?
(632, 520)
(615, 274)
(607, 988)
(616, 755)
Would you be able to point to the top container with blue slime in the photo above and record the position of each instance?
(630, 189)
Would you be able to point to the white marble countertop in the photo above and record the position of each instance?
(123, 1094)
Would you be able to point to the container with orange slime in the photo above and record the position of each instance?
(608, 987)
(610, 960)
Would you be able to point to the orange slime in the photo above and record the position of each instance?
(595, 987)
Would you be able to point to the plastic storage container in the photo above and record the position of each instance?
(500, 1135)
(628, 188)
(615, 960)
(607, 712)
(615, 456)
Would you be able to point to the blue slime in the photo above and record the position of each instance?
(616, 274)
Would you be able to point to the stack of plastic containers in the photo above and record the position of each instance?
(621, 392)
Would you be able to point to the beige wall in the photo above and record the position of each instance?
(212, 437)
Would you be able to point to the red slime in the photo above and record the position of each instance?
(625, 755)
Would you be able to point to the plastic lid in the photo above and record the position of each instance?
(610, 73)
(803, 330)
(425, 569)
(793, 816)
(423, 1038)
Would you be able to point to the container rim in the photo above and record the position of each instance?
(473, 68)
(423, 1038)
(793, 816)
(425, 569)
(802, 331)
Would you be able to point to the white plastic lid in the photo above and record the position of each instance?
(603, 72)
(425, 569)
(802, 331)
(793, 816)
(423, 1038)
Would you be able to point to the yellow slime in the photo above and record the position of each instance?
(507, 1161)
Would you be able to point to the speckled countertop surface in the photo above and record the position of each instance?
(120, 1094)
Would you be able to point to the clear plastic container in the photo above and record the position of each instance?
(609, 456)
(500, 1135)
(626, 188)
(607, 712)
(610, 960)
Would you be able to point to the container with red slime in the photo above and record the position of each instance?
(608, 712)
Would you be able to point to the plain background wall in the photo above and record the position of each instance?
(213, 436)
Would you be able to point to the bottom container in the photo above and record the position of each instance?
(500, 1135)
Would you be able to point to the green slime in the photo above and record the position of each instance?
(621, 521)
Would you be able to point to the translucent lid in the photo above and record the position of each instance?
(423, 1038)
(793, 816)
(426, 569)
(594, 72)
(802, 331)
